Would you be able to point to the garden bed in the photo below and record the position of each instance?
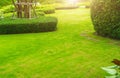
(42, 24)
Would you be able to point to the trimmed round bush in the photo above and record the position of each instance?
(42, 24)
(106, 17)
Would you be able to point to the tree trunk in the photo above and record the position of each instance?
(19, 12)
(24, 7)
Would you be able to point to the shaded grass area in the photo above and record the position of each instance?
(73, 51)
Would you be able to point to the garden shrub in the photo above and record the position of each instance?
(47, 9)
(42, 24)
(106, 17)
(40, 14)
(86, 4)
(66, 6)
(5, 2)
(7, 9)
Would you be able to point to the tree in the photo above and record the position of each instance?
(24, 6)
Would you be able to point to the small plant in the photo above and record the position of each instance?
(114, 71)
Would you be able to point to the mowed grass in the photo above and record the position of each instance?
(73, 51)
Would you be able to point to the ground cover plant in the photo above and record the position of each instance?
(73, 51)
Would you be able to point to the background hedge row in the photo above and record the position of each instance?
(8, 2)
(42, 24)
(62, 7)
(47, 9)
(106, 17)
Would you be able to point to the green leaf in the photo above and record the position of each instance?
(110, 71)
(112, 67)
(110, 77)
(118, 76)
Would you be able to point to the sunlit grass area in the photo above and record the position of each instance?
(73, 51)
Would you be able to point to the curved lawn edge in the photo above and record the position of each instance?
(42, 24)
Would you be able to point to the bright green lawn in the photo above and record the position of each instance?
(73, 51)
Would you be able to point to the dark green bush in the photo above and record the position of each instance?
(106, 17)
(42, 24)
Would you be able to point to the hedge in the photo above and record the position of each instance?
(106, 17)
(47, 9)
(85, 4)
(42, 24)
(66, 6)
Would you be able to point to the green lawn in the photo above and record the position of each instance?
(73, 51)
